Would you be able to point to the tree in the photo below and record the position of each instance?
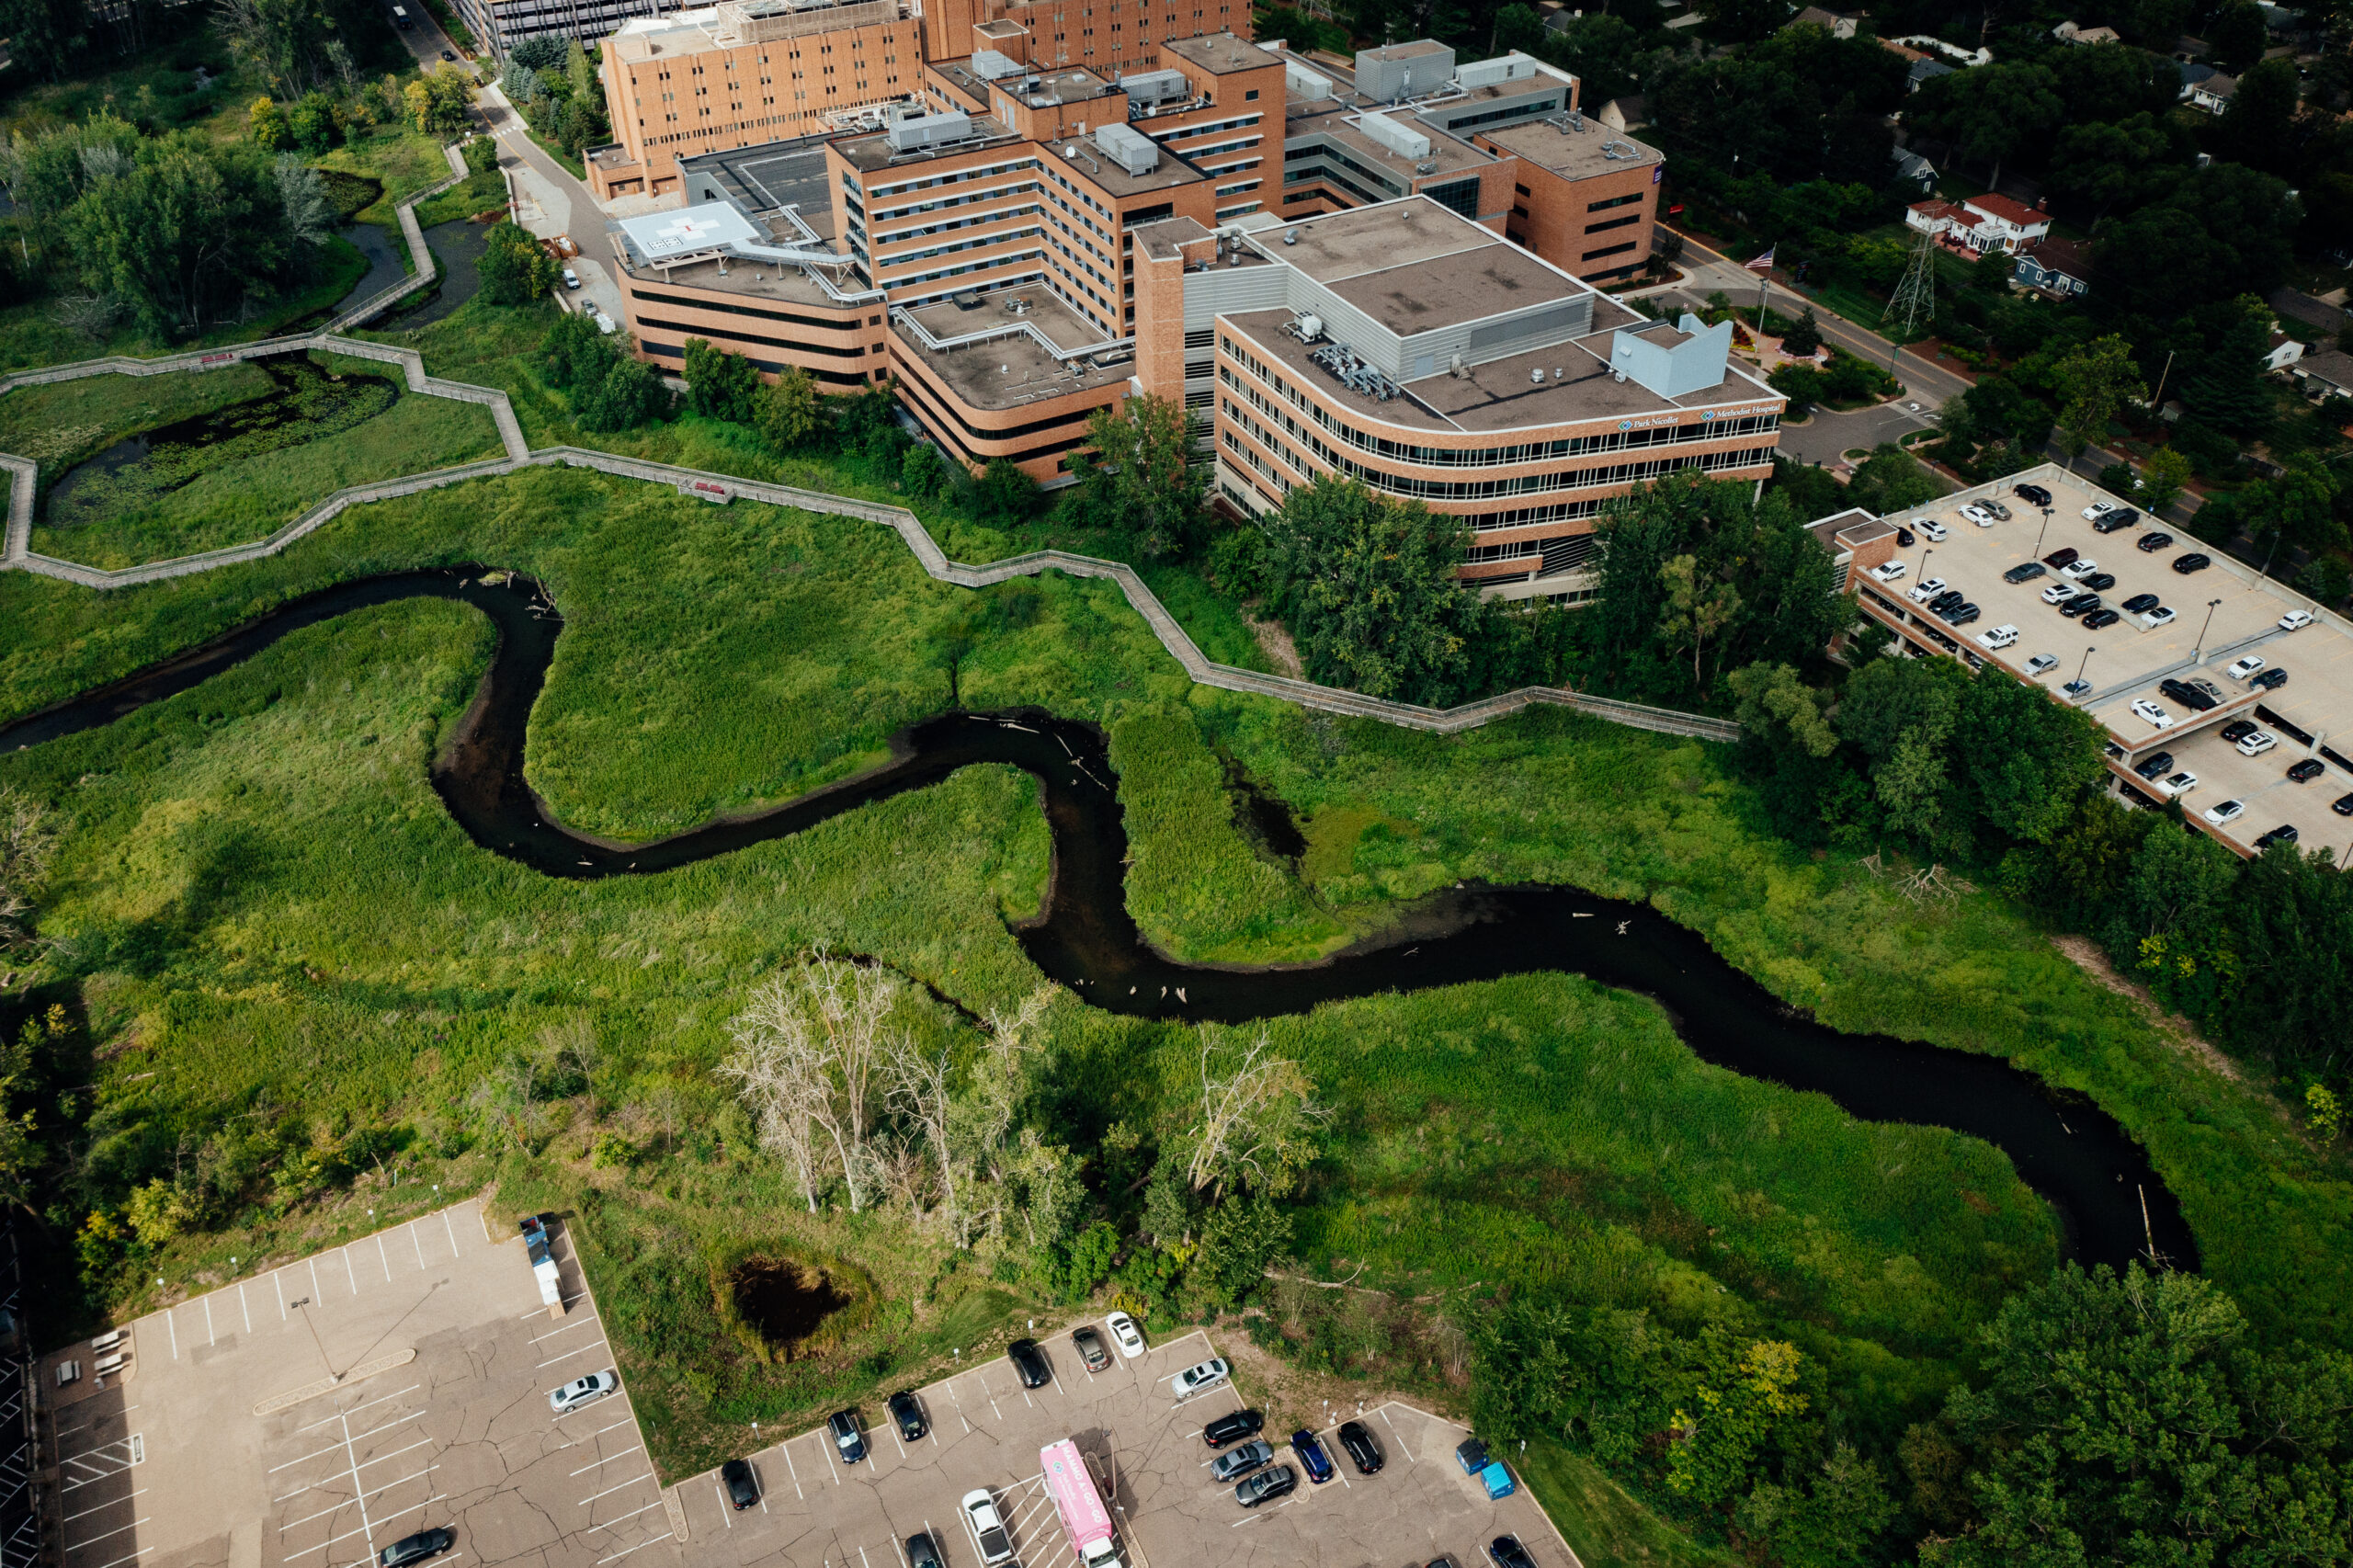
(266, 124)
(2093, 382)
(183, 230)
(790, 412)
(810, 1059)
(1804, 337)
(1258, 1120)
(2164, 478)
(1137, 476)
(1367, 584)
(922, 472)
(28, 845)
(44, 35)
(721, 384)
(440, 100)
(1891, 479)
(1745, 21)
(2133, 1421)
(2237, 36)
(2256, 124)
(1775, 702)
(311, 122)
(629, 393)
(2026, 759)
(482, 156)
(2108, 161)
(1005, 496)
(515, 269)
(2216, 232)
(2225, 386)
(1984, 114)
(1697, 606)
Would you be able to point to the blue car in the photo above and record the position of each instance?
(1311, 1457)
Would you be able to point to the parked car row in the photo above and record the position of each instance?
(1355, 1438)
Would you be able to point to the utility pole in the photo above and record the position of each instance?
(1915, 299)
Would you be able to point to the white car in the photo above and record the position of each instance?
(583, 1390)
(2295, 621)
(1998, 638)
(2157, 717)
(2060, 593)
(990, 1537)
(2179, 784)
(2225, 811)
(2084, 567)
(1125, 1334)
(1933, 529)
(1206, 1375)
(1925, 591)
(2161, 616)
(2097, 510)
(571, 279)
(2258, 744)
(1978, 514)
(2246, 667)
(2040, 662)
(1888, 572)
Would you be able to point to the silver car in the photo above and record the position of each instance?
(584, 1390)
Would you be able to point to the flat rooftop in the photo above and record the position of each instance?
(1549, 144)
(772, 176)
(1366, 240)
(1502, 394)
(874, 152)
(1222, 53)
(1327, 117)
(2125, 662)
(1015, 369)
(692, 32)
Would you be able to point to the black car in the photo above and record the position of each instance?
(2150, 767)
(849, 1436)
(2307, 770)
(2238, 730)
(2063, 556)
(415, 1548)
(2271, 680)
(447, 55)
(1951, 598)
(906, 1412)
(2187, 695)
(2154, 541)
(2140, 602)
(2193, 562)
(742, 1488)
(2284, 833)
(1267, 1485)
(1028, 1363)
(1507, 1552)
(1309, 1448)
(1904, 539)
(2100, 619)
(2100, 581)
(923, 1552)
(1232, 1428)
(1964, 616)
(2025, 573)
(2342, 805)
(2079, 605)
(2110, 522)
(2032, 494)
(1363, 1453)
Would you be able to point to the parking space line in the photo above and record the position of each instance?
(211, 1339)
(363, 1464)
(640, 1546)
(584, 1350)
(346, 1414)
(384, 1257)
(622, 1487)
(551, 1334)
(828, 1448)
(1383, 1412)
(244, 1308)
(633, 1513)
(97, 1507)
(363, 1498)
(118, 1561)
(277, 1291)
(453, 1233)
(723, 1509)
(632, 1448)
(78, 1545)
(316, 1291)
(411, 1229)
(175, 1332)
(349, 1272)
(786, 1450)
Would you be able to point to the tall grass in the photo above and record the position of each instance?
(61, 424)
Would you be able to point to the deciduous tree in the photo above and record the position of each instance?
(1137, 475)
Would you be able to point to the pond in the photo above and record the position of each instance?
(2110, 1204)
(783, 1301)
(308, 402)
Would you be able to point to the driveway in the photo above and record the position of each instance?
(1824, 437)
(548, 202)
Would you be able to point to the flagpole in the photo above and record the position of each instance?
(1764, 283)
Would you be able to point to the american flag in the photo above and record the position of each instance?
(1764, 263)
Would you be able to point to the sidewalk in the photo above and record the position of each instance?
(548, 202)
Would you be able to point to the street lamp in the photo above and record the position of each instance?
(2075, 685)
(1924, 561)
(2199, 652)
(2046, 528)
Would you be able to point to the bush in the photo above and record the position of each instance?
(515, 271)
(481, 155)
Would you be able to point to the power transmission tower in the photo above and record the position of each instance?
(1915, 299)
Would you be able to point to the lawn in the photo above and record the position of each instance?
(348, 424)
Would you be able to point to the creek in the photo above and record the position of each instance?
(2110, 1204)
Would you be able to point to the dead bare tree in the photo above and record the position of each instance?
(808, 1053)
(780, 1075)
(27, 842)
(917, 1087)
(1257, 1120)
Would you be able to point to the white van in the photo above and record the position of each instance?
(1998, 637)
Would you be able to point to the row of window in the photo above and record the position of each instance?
(954, 176)
(995, 215)
(1209, 129)
(1492, 457)
(885, 215)
(799, 346)
(648, 296)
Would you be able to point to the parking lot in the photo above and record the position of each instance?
(311, 1415)
(2221, 614)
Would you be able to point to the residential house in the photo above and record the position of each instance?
(2324, 373)
(2192, 73)
(2059, 267)
(1831, 21)
(2068, 32)
(2284, 350)
(1981, 223)
(2213, 93)
(1915, 170)
(1922, 69)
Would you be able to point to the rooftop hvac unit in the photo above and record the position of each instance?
(989, 63)
(1137, 154)
(929, 131)
(1396, 138)
(1146, 88)
(1512, 67)
(1290, 235)
(1307, 83)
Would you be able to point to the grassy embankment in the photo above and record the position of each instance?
(233, 489)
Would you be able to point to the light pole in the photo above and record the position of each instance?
(2073, 685)
(1924, 561)
(2046, 528)
(2199, 652)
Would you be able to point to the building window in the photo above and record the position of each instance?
(1606, 250)
(1613, 201)
(1612, 223)
(1459, 196)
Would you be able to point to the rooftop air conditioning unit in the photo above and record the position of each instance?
(990, 64)
(1137, 154)
(1396, 136)
(929, 131)
(1290, 235)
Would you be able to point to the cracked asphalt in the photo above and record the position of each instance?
(231, 1443)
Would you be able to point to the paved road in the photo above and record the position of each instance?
(548, 202)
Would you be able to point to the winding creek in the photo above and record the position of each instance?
(2109, 1201)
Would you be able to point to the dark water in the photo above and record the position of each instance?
(457, 245)
(2074, 1155)
(386, 267)
(304, 392)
